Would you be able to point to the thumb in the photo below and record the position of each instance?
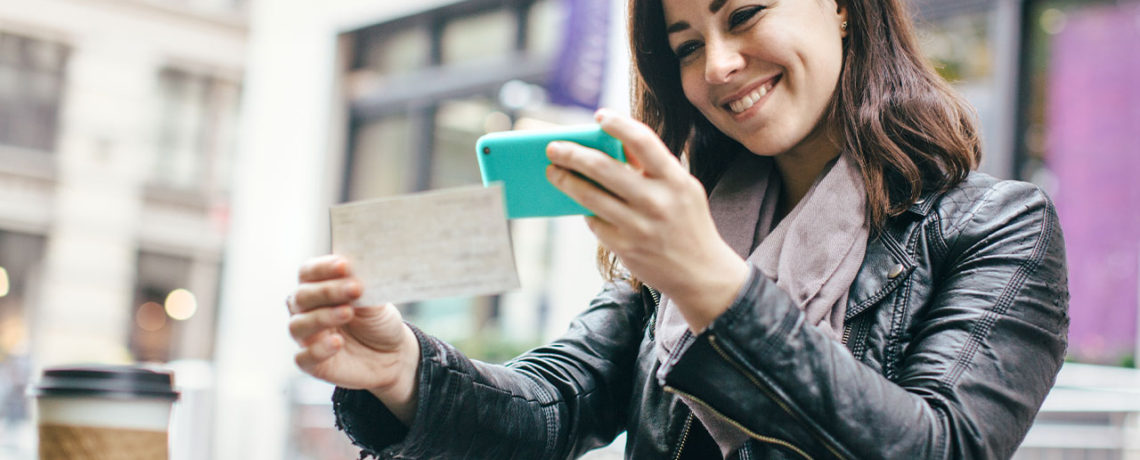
(378, 313)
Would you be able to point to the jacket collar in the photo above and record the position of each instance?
(924, 204)
(885, 266)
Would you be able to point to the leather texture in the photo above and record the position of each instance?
(955, 330)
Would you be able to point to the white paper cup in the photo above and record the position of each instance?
(105, 412)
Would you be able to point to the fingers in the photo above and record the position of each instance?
(641, 144)
(587, 194)
(325, 347)
(606, 232)
(305, 327)
(324, 268)
(312, 295)
(615, 176)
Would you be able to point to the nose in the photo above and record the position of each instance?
(722, 60)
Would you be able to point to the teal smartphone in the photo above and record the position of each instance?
(517, 159)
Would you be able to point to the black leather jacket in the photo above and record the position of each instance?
(955, 331)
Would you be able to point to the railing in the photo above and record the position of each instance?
(1093, 412)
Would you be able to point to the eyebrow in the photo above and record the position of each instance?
(715, 6)
(677, 27)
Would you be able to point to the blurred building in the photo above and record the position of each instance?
(118, 122)
(412, 87)
(1053, 84)
(138, 223)
(384, 99)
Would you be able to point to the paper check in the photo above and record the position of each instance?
(429, 245)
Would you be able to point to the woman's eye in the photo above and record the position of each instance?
(742, 15)
(686, 49)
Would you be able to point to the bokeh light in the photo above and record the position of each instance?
(150, 317)
(1053, 21)
(5, 286)
(181, 304)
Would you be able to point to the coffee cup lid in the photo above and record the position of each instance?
(106, 382)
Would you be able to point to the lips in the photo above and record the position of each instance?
(741, 103)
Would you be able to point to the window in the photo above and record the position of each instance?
(402, 51)
(381, 164)
(31, 87)
(20, 258)
(965, 48)
(218, 6)
(196, 132)
(419, 95)
(421, 90)
(168, 310)
(1079, 144)
(478, 37)
(458, 124)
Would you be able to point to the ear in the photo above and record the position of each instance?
(841, 16)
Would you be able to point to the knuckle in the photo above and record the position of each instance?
(694, 184)
(594, 162)
(295, 328)
(329, 291)
(641, 230)
(656, 206)
(300, 327)
(301, 298)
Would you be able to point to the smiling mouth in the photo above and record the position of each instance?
(748, 100)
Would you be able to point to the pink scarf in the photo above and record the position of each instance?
(813, 254)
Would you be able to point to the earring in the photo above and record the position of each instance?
(843, 26)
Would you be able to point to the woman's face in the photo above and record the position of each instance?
(762, 71)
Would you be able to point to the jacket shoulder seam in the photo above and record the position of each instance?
(982, 328)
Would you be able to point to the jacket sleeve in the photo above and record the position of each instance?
(983, 351)
(557, 401)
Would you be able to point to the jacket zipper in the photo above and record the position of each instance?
(768, 391)
(688, 422)
(684, 435)
(737, 425)
(657, 311)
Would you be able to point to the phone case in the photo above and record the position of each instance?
(518, 160)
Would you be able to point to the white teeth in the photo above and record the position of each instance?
(749, 99)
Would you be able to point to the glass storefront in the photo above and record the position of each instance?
(421, 90)
(1080, 144)
(21, 256)
(435, 82)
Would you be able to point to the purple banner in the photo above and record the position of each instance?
(1093, 132)
(579, 74)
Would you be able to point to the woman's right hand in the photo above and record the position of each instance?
(368, 348)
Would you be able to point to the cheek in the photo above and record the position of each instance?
(696, 92)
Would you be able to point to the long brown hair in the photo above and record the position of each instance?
(907, 129)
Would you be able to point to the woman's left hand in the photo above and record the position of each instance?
(654, 215)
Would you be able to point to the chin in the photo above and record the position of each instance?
(766, 146)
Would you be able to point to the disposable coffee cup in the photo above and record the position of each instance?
(103, 413)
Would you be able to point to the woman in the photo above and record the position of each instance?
(831, 280)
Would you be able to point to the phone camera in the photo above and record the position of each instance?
(486, 150)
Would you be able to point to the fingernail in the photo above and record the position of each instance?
(343, 313)
(601, 114)
(557, 148)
